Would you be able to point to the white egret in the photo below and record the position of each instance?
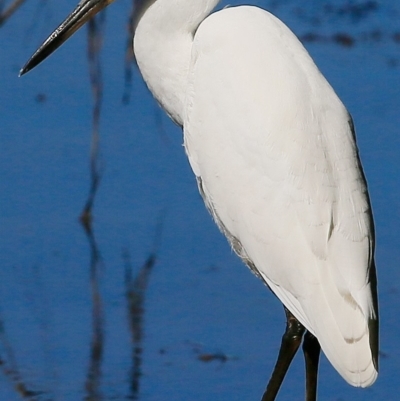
(274, 153)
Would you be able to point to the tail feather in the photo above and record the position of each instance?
(347, 337)
(345, 332)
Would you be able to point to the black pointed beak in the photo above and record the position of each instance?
(85, 10)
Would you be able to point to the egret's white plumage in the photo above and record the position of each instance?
(274, 153)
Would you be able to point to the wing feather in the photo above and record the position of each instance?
(275, 151)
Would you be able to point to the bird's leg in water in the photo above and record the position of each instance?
(311, 349)
(290, 344)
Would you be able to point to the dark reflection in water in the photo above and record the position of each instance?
(135, 287)
(96, 27)
(10, 369)
(129, 55)
(135, 290)
(93, 378)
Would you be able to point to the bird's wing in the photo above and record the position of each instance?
(274, 151)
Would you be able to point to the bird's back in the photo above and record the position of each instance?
(275, 155)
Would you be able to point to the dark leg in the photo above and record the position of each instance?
(289, 346)
(311, 349)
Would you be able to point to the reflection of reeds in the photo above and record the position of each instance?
(129, 55)
(135, 291)
(7, 12)
(10, 369)
(95, 40)
(94, 374)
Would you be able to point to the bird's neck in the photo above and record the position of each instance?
(162, 45)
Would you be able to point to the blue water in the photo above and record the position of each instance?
(66, 329)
